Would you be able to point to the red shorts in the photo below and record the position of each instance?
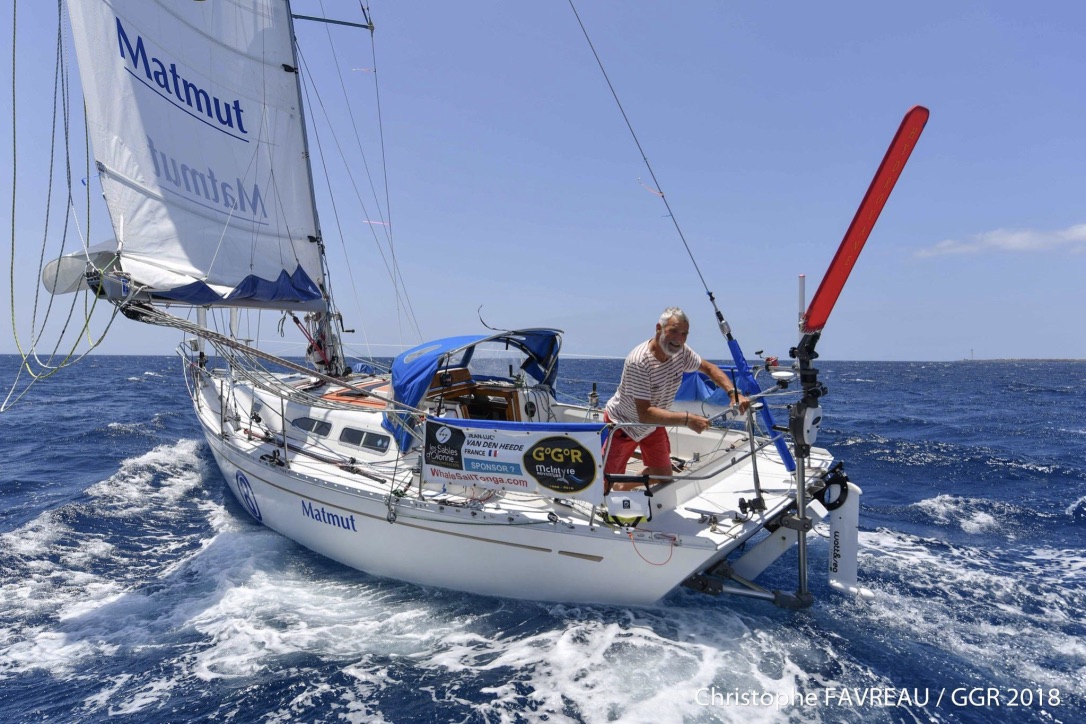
(655, 450)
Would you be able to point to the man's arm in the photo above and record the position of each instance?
(724, 382)
(651, 415)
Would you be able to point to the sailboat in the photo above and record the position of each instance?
(459, 467)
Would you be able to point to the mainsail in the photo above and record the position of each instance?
(195, 117)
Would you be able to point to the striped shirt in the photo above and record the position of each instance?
(646, 378)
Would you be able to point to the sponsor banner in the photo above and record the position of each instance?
(444, 446)
(556, 462)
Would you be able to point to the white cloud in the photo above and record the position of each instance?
(1073, 238)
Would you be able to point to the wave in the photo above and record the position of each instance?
(161, 476)
(975, 515)
(154, 598)
(71, 561)
(147, 594)
(998, 615)
(146, 376)
(248, 611)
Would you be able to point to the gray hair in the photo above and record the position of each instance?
(672, 312)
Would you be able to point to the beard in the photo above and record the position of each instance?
(668, 350)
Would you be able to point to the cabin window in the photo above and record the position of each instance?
(361, 438)
(317, 427)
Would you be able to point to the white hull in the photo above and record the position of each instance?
(514, 545)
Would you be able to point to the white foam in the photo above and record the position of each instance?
(151, 694)
(1077, 508)
(307, 699)
(245, 600)
(996, 608)
(35, 538)
(143, 377)
(254, 612)
(161, 476)
(101, 699)
(249, 625)
(1028, 466)
(656, 665)
(978, 522)
(1064, 567)
(255, 604)
(47, 585)
(89, 614)
(49, 650)
(950, 509)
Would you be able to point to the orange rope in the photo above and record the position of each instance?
(670, 552)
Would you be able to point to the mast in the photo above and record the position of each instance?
(325, 349)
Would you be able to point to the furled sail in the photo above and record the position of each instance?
(196, 122)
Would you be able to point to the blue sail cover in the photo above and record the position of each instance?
(697, 387)
(414, 370)
(297, 287)
(293, 289)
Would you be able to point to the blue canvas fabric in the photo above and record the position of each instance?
(413, 371)
(288, 289)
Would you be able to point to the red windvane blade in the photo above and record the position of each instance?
(889, 170)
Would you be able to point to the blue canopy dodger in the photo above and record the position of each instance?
(413, 371)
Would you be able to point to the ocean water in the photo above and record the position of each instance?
(133, 588)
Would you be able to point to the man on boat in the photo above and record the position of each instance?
(651, 376)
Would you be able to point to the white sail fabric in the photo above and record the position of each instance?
(198, 133)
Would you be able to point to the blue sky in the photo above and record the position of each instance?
(514, 185)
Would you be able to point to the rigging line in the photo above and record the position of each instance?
(657, 188)
(60, 80)
(365, 163)
(60, 89)
(254, 158)
(331, 195)
(749, 383)
(350, 113)
(153, 315)
(61, 76)
(366, 15)
(87, 314)
(388, 268)
(14, 176)
(397, 280)
(395, 273)
(84, 239)
(254, 169)
(73, 217)
(384, 165)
